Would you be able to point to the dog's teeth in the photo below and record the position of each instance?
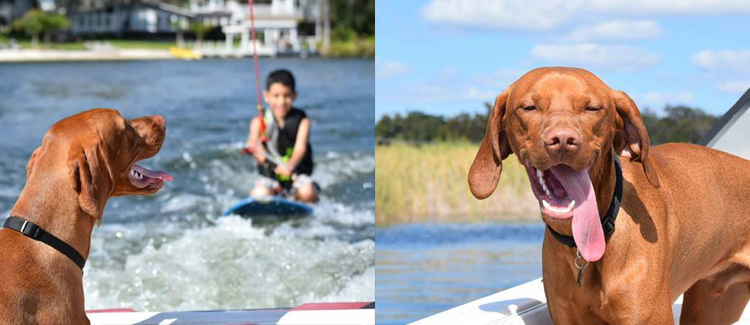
(539, 173)
(564, 210)
(546, 190)
(136, 174)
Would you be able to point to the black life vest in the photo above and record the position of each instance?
(284, 142)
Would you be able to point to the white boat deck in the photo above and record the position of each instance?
(312, 314)
(524, 304)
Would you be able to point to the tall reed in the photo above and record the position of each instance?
(428, 182)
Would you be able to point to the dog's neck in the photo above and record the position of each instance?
(55, 208)
(604, 180)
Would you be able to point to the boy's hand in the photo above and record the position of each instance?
(261, 158)
(283, 169)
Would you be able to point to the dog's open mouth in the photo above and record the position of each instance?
(554, 199)
(141, 177)
(564, 193)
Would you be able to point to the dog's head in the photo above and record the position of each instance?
(100, 149)
(559, 122)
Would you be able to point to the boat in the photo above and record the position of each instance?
(526, 303)
(185, 54)
(311, 313)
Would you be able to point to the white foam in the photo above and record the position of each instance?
(229, 265)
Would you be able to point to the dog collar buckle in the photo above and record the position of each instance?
(30, 229)
(35, 232)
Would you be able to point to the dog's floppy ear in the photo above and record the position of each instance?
(91, 179)
(32, 162)
(488, 164)
(632, 140)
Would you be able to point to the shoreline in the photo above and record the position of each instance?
(32, 56)
(85, 55)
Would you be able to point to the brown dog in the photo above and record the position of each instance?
(83, 161)
(682, 226)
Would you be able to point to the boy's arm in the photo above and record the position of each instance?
(253, 142)
(300, 145)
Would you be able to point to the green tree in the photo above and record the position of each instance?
(680, 124)
(32, 23)
(352, 17)
(348, 27)
(53, 23)
(200, 29)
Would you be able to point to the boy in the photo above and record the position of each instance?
(285, 160)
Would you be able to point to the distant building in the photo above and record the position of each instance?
(13, 9)
(277, 22)
(6, 13)
(142, 17)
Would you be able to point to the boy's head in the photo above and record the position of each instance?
(280, 92)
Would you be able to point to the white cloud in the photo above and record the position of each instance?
(541, 15)
(447, 74)
(438, 93)
(500, 79)
(737, 87)
(507, 14)
(670, 7)
(657, 100)
(617, 30)
(389, 69)
(723, 60)
(613, 57)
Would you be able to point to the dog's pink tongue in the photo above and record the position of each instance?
(587, 227)
(158, 174)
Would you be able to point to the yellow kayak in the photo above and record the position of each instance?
(186, 54)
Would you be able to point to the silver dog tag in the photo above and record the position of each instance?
(580, 276)
(579, 279)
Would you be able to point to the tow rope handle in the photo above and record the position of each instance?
(269, 162)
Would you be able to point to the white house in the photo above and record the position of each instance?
(144, 17)
(13, 9)
(276, 23)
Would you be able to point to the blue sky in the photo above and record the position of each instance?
(451, 56)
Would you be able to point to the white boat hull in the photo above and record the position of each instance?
(320, 313)
(521, 305)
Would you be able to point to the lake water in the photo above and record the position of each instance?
(423, 269)
(170, 251)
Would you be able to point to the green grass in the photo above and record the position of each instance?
(120, 44)
(26, 44)
(150, 45)
(429, 183)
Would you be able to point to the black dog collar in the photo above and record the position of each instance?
(33, 231)
(608, 223)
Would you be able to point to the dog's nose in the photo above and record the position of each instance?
(562, 140)
(158, 119)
